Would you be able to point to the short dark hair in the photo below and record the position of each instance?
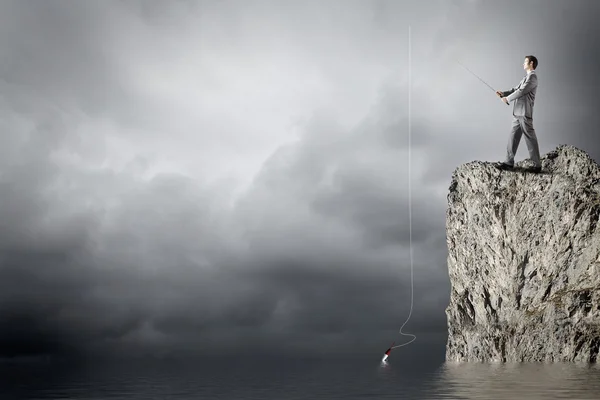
(532, 59)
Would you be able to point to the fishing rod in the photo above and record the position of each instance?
(478, 78)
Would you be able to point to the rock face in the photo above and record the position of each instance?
(524, 261)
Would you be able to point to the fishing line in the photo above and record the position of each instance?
(462, 47)
(413, 337)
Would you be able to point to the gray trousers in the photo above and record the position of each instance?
(522, 126)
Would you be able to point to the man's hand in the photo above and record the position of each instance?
(499, 93)
(504, 99)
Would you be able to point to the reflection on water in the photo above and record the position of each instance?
(512, 381)
(290, 379)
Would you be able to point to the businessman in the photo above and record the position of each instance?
(523, 98)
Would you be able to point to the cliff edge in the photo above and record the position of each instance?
(524, 261)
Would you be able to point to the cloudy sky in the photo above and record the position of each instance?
(195, 177)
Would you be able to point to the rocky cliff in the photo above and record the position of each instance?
(524, 261)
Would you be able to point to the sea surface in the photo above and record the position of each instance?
(292, 378)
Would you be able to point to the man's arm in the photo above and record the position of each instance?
(509, 91)
(530, 84)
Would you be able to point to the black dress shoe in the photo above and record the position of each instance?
(535, 169)
(504, 166)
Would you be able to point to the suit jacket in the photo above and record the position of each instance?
(523, 96)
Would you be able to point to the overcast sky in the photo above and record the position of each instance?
(192, 177)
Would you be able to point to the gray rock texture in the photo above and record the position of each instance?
(524, 261)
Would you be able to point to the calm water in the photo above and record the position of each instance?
(299, 379)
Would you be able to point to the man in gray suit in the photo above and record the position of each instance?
(523, 98)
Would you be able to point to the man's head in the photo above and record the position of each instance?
(530, 63)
